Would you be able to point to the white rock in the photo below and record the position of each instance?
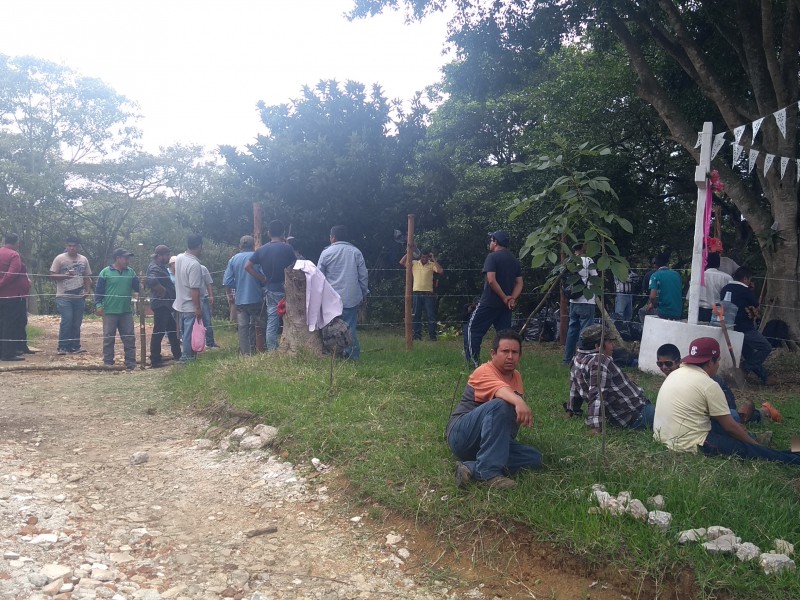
(66, 587)
(120, 557)
(660, 519)
(59, 498)
(147, 595)
(54, 571)
(747, 551)
(637, 509)
(319, 465)
(174, 591)
(657, 502)
(716, 531)
(724, 544)
(203, 444)
(225, 444)
(355, 519)
(784, 547)
(601, 496)
(267, 433)
(9, 555)
(598, 487)
(139, 458)
(51, 589)
(611, 506)
(692, 535)
(404, 553)
(250, 442)
(238, 433)
(393, 539)
(44, 538)
(102, 575)
(624, 497)
(775, 563)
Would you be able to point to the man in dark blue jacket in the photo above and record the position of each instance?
(162, 295)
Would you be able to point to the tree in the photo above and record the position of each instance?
(729, 62)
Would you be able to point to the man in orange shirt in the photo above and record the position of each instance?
(483, 428)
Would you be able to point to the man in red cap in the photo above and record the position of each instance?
(692, 414)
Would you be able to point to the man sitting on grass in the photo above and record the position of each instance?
(668, 359)
(625, 402)
(483, 428)
(690, 400)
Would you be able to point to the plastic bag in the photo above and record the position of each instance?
(198, 336)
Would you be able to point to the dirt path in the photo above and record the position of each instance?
(79, 520)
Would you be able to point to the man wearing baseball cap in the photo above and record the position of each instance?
(625, 402)
(112, 297)
(692, 414)
(500, 292)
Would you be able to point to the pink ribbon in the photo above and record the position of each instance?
(706, 228)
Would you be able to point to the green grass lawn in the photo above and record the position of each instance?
(382, 422)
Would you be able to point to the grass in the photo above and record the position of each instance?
(383, 420)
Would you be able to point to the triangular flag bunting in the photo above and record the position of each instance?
(699, 139)
(768, 162)
(753, 158)
(737, 133)
(737, 153)
(719, 141)
(784, 162)
(756, 127)
(780, 119)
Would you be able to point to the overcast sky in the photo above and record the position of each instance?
(197, 68)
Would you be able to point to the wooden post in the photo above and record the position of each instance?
(296, 335)
(142, 332)
(258, 217)
(409, 283)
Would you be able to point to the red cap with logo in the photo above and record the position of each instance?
(701, 351)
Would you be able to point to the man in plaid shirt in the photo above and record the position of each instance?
(625, 402)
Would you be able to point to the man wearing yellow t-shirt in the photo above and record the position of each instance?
(692, 414)
(423, 296)
(482, 430)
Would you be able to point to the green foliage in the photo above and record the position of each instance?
(381, 424)
(573, 212)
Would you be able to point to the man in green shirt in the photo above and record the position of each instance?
(666, 292)
(112, 296)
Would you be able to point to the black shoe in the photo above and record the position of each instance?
(157, 365)
(12, 359)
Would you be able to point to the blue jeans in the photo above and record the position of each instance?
(428, 303)
(187, 321)
(755, 350)
(479, 322)
(206, 306)
(485, 440)
(645, 418)
(717, 444)
(350, 316)
(71, 310)
(623, 306)
(273, 320)
(580, 317)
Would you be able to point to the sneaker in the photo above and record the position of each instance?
(501, 483)
(61, 352)
(771, 412)
(78, 350)
(463, 475)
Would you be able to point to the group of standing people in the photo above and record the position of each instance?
(256, 279)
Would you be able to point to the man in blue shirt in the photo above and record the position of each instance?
(249, 295)
(344, 267)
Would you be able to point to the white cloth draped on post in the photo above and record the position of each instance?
(323, 304)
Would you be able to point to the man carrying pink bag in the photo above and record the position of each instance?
(188, 283)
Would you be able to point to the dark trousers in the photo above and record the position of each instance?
(482, 318)
(13, 316)
(723, 444)
(164, 324)
(755, 350)
(426, 302)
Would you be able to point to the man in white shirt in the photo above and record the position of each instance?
(188, 286)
